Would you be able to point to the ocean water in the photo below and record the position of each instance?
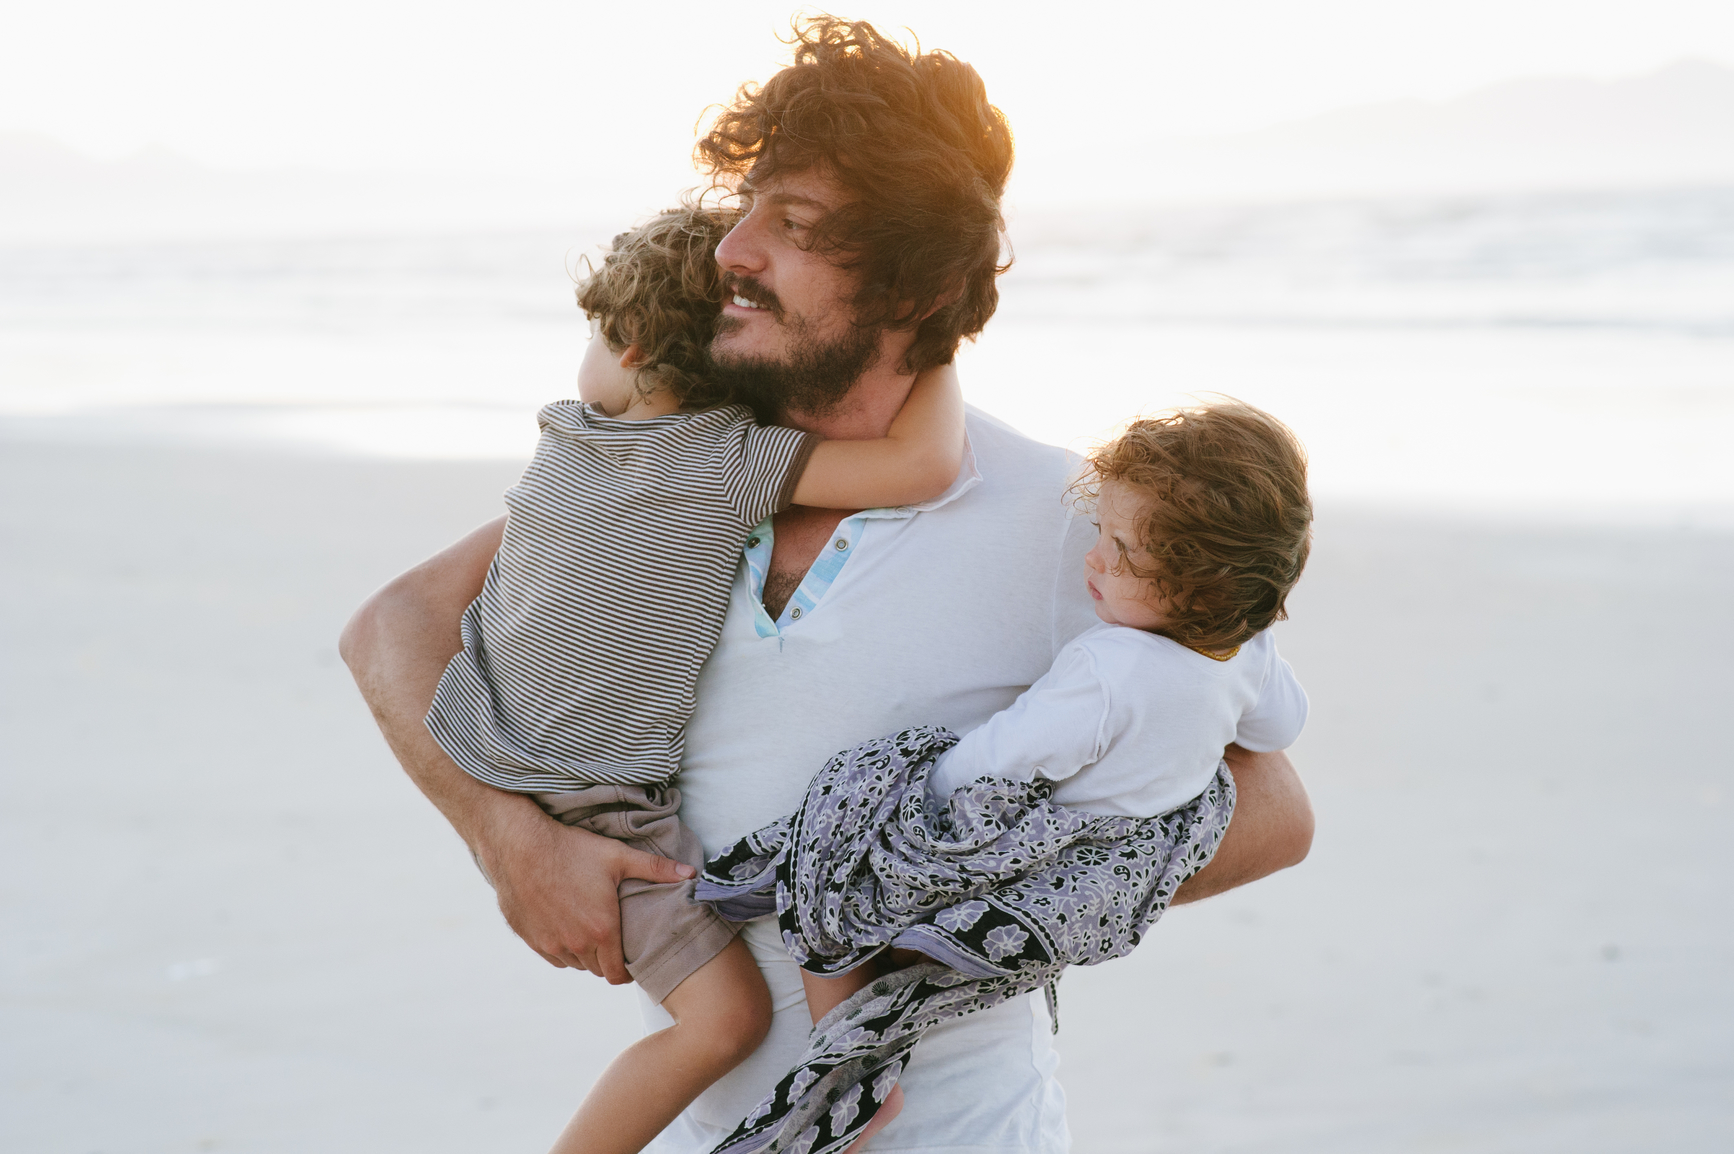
(1569, 352)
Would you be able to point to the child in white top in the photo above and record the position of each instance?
(1204, 527)
(1132, 723)
(576, 677)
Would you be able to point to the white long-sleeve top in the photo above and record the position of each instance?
(1132, 723)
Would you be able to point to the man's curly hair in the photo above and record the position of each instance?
(659, 288)
(921, 154)
(1227, 521)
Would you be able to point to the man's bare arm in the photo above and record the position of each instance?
(557, 885)
(1272, 827)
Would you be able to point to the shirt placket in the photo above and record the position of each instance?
(821, 575)
(828, 565)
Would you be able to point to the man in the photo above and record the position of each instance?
(871, 179)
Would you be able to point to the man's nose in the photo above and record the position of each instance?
(742, 250)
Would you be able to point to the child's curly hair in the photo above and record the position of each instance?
(659, 288)
(1228, 521)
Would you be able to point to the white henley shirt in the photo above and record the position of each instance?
(941, 613)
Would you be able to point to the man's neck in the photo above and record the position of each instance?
(867, 410)
(864, 413)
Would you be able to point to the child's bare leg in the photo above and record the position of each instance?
(721, 1014)
(825, 995)
(888, 1109)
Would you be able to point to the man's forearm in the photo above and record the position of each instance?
(396, 690)
(557, 885)
(397, 645)
(1272, 827)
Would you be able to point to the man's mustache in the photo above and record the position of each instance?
(751, 289)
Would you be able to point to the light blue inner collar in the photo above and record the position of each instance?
(845, 542)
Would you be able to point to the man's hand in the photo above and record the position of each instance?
(558, 886)
(559, 889)
(1272, 827)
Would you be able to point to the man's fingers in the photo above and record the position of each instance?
(632, 863)
(558, 954)
(568, 958)
(555, 955)
(563, 900)
(612, 963)
(587, 953)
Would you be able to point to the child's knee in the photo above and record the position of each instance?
(750, 1024)
(748, 1018)
(725, 1009)
(729, 1031)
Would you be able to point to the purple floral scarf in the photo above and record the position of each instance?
(999, 885)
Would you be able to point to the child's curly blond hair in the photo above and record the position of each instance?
(659, 288)
(1227, 524)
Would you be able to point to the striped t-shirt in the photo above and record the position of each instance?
(608, 592)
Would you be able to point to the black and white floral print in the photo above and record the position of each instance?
(1000, 886)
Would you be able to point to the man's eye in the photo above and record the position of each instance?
(791, 224)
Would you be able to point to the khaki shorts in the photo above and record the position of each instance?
(664, 933)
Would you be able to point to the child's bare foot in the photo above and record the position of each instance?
(888, 1109)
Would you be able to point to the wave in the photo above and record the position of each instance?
(1654, 260)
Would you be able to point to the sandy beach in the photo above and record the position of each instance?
(232, 924)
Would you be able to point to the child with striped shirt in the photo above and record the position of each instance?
(580, 656)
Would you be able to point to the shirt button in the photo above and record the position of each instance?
(795, 613)
(842, 544)
(752, 542)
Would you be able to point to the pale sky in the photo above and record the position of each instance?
(612, 87)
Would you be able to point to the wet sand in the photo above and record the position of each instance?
(232, 924)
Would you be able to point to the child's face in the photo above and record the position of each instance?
(1122, 597)
(606, 382)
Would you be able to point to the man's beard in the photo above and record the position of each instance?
(814, 379)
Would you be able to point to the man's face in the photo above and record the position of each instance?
(787, 338)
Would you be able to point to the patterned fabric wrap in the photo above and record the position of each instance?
(999, 885)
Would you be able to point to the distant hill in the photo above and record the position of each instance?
(52, 193)
(1672, 126)
(29, 159)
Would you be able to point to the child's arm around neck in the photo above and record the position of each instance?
(916, 460)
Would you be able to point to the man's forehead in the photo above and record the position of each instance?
(810, 188)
